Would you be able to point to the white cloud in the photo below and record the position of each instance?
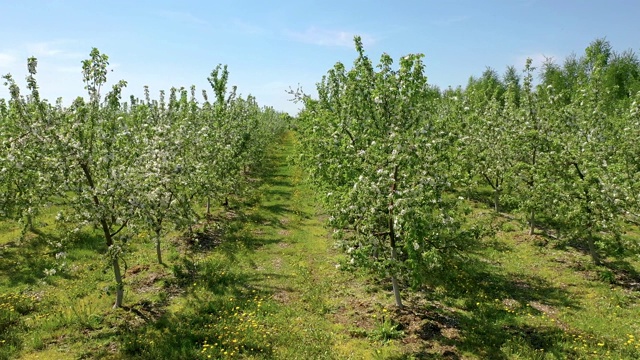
(54, 49)
(7, 60)
(43, 49)
(59, 68)
(324, 37)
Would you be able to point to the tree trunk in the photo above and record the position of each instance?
(208, 206)
(532, 215)
(496, 200)
(158, 250)
(392, 241)
(119, 283)
(592, 249)
(116, 264)
(106, 230)
(587, 199)
(30, 224)
(394, 282)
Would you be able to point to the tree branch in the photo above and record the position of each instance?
(121, 227)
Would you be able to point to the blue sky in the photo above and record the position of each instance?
(270, 46)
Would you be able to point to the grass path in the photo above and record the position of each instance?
(315, 307)
(276, 270)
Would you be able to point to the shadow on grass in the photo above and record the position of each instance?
(223, 316)
(621, 273)
(614, 268)
(485, 195)
(478, 310)
(25, 263)
(262, 214)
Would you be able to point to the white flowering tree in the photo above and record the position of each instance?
(593, 186)
(24, 179)
(214, 171)
(374, 148)
(96, 160)
(125, 167)
(575, 152)
(488, 145)
(535, 146)
(163, 166)
(232, 135)
(630, 158)
(83, 157)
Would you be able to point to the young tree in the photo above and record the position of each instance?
(534, 143)
(488, 146)
(24, 180)
(89, 145)
(373, 144)
(591, 183)
(163, 168)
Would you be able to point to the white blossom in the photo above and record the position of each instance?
(50, 272)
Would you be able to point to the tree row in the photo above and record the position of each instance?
(127, 168)
(395, 158)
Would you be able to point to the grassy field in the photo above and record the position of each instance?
(261, 282)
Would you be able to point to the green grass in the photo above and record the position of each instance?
(262, 284)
